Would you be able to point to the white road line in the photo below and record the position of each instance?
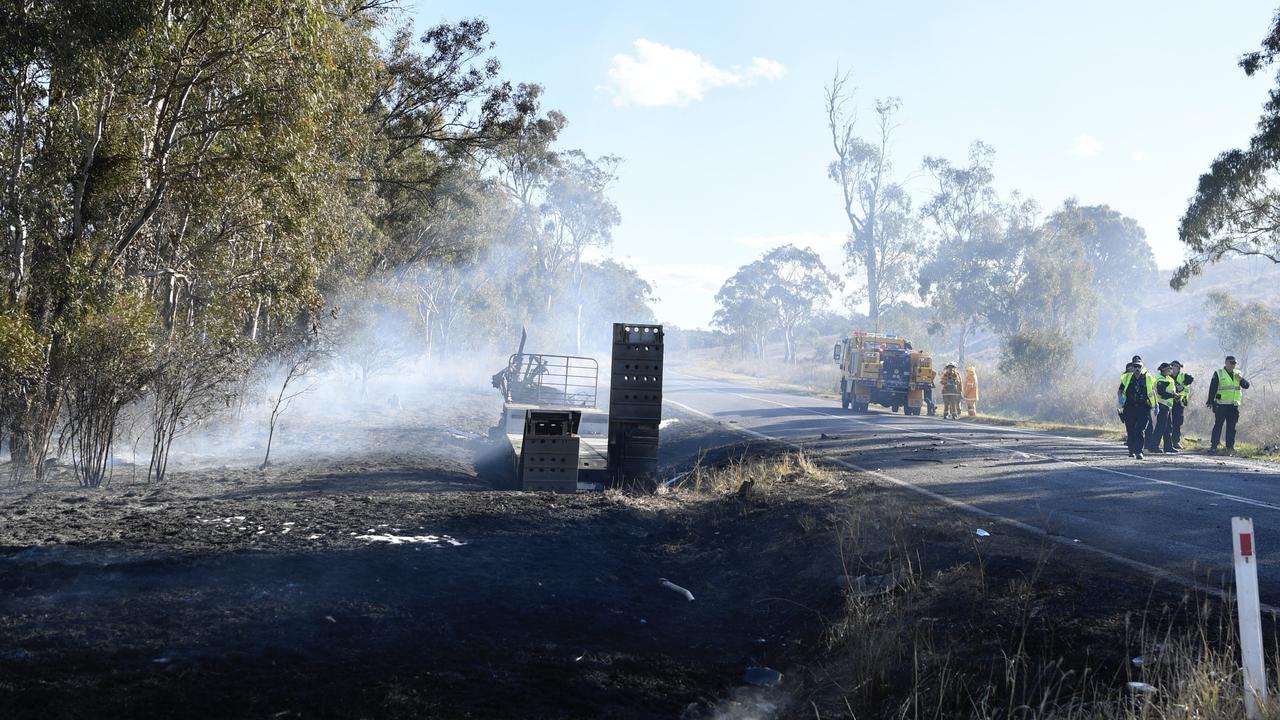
(1151, 570)
(1078, 465)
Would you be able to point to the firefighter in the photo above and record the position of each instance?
(971, 390)
(1182, 381)
(1136, 398)
(1166, 395)
(1226, 390)
(928, 392)
(951, 392)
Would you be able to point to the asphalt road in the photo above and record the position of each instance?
(1167, 516)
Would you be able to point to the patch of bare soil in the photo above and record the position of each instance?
(396, 585)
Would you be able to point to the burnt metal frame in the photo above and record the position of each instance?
(536, 379)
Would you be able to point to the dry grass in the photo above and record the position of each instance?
(745, 474)
(897, 628)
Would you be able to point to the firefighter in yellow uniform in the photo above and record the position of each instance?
(951, 392)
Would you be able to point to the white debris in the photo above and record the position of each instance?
(404, 539)
(1142, 688)
(981, 533)
(286, 530)
(313, 537)
(675, 588)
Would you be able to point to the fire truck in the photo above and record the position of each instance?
(883, 370)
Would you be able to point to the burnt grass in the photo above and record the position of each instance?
(235, 594)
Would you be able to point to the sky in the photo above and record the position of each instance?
(717, 110)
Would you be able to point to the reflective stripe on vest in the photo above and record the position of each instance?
(1165, 380)
(1228, 389)
(1151, 387)
(1185, 392)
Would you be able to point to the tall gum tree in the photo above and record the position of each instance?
(863, 171)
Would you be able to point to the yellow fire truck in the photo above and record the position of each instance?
(882, 369)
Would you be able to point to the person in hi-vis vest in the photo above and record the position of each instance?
(1226, 390)
(1136, 399)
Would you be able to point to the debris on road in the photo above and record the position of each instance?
(762, 677)
(675, 588)
(405, 539)
(981, 533)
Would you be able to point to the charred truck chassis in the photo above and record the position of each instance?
(554, 435)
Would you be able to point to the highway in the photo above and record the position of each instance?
(1168, 516)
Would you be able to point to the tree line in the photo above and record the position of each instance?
(963, 259)
(193, 192)
(966, 261)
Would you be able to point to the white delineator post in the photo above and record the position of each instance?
(1247, 603)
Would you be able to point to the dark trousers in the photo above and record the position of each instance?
(1136, 419)
(928, 400)
(1228, 414)
(1178, 412)
(1162, 432)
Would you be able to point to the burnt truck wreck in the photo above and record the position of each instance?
(553, 433)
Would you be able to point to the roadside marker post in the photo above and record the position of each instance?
(1244, 548)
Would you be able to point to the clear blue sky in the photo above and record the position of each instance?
(716, 108)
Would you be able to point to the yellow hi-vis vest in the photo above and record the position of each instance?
(1165, 380)
(1151, 388)
(1185, 393)
(1229, 392)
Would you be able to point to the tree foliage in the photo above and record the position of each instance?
(1236, 206)
(882, 234)
(782, 290)
(210, 180)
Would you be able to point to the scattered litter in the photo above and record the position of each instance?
(161, 660)
(313, 536)
(579, 658)
(404, 539)
(761, 641)
(330, 619)
(677, 478)
(762, 677)
(981, 533)
(1142, 688)
(643, 621)
(675, 588)
(286, 530)
(260, 532)
(668, 423)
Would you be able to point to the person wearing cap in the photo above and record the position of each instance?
(1182, 382)
(951, 392)
(1136, 398)
(1161, 433)
(1226, 390)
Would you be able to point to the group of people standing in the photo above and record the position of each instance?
(1152, 406)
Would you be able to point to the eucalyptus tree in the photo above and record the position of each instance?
(875, 205)
(1236, 207)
